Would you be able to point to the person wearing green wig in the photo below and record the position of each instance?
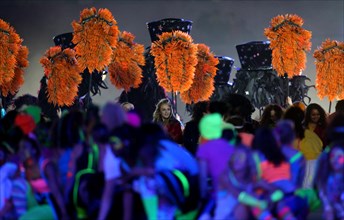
(211, 126)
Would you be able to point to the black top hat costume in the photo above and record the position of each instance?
(255, 55)
(223, 73)
(91, 83)
(259, 82)
(156, 28)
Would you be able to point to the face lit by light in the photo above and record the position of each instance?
(273, 115)
(238, 162)
(25, 150)
(315, 116)
(128, 107)
(337, 159)
(165, 111)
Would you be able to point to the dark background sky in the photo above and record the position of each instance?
(219, 24)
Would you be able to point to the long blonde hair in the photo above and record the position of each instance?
(157, 113)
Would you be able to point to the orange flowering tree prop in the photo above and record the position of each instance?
(203, 84)
(63, 75)
(175, 58)
(125, 71)
(18, 79)
(13, 57)
(289, 43)
(330, 69)
(94, 35)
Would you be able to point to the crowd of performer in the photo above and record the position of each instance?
(106, 163)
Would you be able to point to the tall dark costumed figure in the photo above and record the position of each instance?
(259, 82)
(148, 94)
(256, 79)
(90, 85)
(223, 73)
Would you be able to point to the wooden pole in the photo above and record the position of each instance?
(287, 89)
(89, 93)
(1, 105)
(174, 102)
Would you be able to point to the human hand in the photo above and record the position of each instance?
(142, 171)
(289, 101)
(178, 117)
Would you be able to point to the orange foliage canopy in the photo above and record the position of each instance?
(175, 58)
(18, 79)
(63, 75)
(94, 35)
(289, 43)
(127, 57)
(203, 83)
(330, 69)
(10, 44)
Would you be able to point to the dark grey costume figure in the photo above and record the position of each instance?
(223, 73)
(90, 85)
(259, 82)
(148, 94)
